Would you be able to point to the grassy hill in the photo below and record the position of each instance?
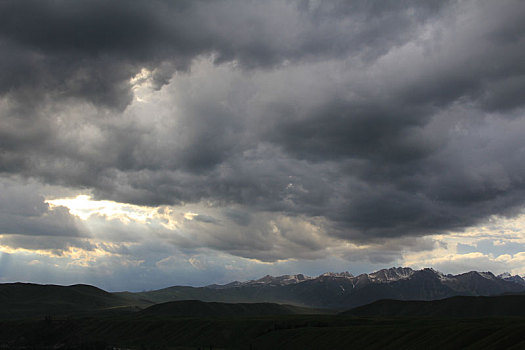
(26, 300)
(196, 308)
(457, 307)
(231, 295)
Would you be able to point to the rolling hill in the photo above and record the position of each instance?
(455, 307)
(27, 300)
(196, 308)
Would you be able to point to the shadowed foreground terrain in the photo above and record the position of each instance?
(499, 306)
(85, 317)
(275, 332)
(27, 300)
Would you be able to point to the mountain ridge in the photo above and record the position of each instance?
(344, 290)
(381, 276)
(30, 300)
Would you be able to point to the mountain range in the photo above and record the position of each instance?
(333, 291)
(345, 291)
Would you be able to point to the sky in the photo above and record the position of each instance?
(152, 143)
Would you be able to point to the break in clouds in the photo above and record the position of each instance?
(295, 124)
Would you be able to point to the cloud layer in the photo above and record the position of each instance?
(292, 126)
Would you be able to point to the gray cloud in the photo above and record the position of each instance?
(24, 213)
(382, 120)
(90, 49)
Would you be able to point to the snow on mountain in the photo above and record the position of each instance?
(345, 274)
(225, 286)
(391, 275)
(508, 277)
(505, 275)
(278, 281)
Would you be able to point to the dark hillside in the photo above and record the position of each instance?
(275, 332)
(248, 294)
(455, 307)
(195, 308)
(26, 300)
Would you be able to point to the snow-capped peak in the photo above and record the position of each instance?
(279, 280)
(345, 274)
(505, 275)
(391, 275)
(509, 278)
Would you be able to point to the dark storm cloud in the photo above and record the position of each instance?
(240, 217)
(385, 120)
(53, 244)
(90, 49)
